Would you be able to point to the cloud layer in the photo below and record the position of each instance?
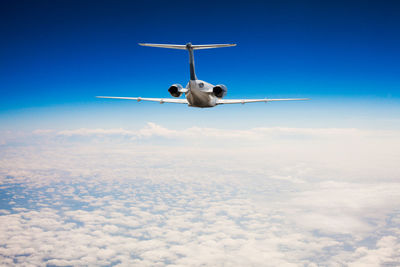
(158, 196)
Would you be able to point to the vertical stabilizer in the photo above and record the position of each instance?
(191, 61)
(190, 48)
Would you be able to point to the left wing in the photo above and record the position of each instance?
(160, 100)
(243, 101)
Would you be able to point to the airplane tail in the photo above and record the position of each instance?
(190, 48)
(187, 46)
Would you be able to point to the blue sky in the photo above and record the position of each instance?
(56, 56)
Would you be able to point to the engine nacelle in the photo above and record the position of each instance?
(220, 90)
(175, 90)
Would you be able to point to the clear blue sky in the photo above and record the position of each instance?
(57, 55)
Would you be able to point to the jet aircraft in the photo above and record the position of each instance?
(198, 93)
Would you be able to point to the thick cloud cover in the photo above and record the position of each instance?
(200, 196)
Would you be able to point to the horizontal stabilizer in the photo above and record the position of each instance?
(187, 46)
(172, 46)
(211, 46)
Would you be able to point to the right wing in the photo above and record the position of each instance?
(243, 101)
(160, 100)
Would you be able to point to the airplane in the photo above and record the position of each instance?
(198, 93)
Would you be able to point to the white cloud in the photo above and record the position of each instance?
(261, 197)
(152, 129)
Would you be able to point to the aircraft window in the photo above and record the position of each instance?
(201, 85)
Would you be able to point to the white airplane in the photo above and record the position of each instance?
(198, 93)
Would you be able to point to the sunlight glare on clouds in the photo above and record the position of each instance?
(200, 196)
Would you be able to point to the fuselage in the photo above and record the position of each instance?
(200, 94)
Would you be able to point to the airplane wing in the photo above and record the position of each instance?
(243, 101)
(160, 100)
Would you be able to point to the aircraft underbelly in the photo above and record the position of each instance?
(199, 99)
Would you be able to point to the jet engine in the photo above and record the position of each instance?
(175, 90)
(220, 90)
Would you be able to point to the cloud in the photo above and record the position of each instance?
(256, 197)
(152, 129)
(89, 132)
